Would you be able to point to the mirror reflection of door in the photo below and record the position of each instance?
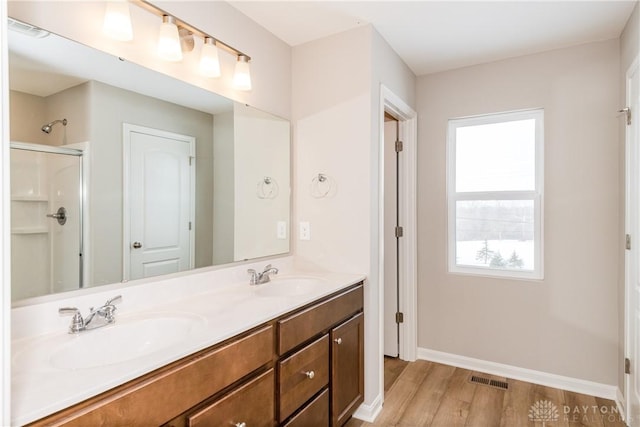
(46, 241)
(159, 215)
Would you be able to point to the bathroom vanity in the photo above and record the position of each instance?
(301, 367)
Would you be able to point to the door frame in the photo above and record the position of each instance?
(127, 129)
(632, 209)
(5, 227)
(407, 299)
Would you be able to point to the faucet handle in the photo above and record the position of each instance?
(77, 322)
(267, 267)
(68, 310)
(254, 276)
(114, 299)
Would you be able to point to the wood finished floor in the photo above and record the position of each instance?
(424, 393)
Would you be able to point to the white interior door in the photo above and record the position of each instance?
(632, 315)
(161, 201)
(391, 328)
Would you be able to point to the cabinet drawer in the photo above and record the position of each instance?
(250, 405)
(316, 414)
(161, 395)
(299, 327)
(302, 375)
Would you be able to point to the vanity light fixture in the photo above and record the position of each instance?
(209, 62)
(117, 21)
(169, 40)
(242, 76)
(176, 38)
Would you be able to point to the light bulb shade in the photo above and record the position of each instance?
(117, 21)
(169, 40)
(242, 76)
(209, 62)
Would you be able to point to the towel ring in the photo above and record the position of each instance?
(321, 186)
(267, 188)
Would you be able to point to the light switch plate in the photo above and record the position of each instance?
(282, 230)
(305, 230)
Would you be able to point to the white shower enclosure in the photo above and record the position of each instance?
(46, 220)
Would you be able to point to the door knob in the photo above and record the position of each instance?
(137, 245)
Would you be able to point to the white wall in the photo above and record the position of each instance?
(223, 175)
(553, 324)
(336, 119)
(261, 149)
(27, 118)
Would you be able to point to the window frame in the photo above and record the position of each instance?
(536, 195)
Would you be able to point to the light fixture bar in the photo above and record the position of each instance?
(160, 12)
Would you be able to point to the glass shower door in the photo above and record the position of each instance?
(46, 220)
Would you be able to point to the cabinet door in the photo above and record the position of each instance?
(347, 369)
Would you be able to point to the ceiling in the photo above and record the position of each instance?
(432, 36)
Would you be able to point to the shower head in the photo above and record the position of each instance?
(47, 128)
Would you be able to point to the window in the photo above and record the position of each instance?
(495, 191)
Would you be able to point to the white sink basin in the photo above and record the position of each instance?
(127, 339)
(289, 286)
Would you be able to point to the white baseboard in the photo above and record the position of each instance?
(620, 402)
(369, 412)
(529, 375)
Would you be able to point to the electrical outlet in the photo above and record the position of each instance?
(282, 230)
(305, 230)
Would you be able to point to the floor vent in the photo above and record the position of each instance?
(502, 385)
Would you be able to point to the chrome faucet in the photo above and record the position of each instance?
(264, 277)
(105, 312)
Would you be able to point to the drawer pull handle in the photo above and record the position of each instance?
(338, 341)
(240, 424)
(310, 374)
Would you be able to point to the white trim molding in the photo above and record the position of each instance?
(575, 385)
(408, 296)
(369, 413)
(5, 239)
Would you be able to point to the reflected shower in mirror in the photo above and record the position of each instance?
(168, 174)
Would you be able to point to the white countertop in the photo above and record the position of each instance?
(223, 306)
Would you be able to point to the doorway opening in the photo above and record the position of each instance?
(392, 235)
(397, 232)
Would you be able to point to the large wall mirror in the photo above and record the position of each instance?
(119, 172)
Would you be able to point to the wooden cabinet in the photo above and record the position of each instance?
(250, 405)
(337, 321)
(302, 375)
(314, 320)
(315, 414)
(347, 369)
(303, 369)
(161, 395)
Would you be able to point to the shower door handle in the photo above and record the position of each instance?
(60, 215)
(137, 245)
